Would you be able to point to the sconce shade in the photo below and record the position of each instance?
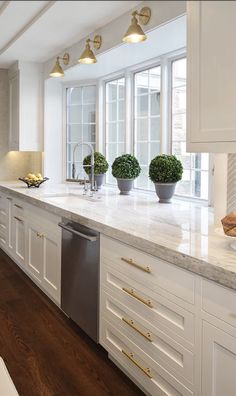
(87, 57)
(57, 70)
(135, 33)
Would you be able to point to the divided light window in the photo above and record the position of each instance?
(81, 125)
(147, 87)
(115, 123)
(196, 165)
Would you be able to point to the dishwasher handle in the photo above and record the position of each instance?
(73, 231)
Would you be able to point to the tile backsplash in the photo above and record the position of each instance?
(231, 183)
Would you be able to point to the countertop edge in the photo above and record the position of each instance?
(199, 267)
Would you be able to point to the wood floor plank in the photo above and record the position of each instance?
(45, 352)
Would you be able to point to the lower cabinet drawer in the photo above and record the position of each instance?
(165, 351)
(153, 378)
(155, 309)
(219, 301)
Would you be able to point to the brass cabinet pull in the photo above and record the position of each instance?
(18, 206)
(132, 293)
(40, 235)
(3, 226)
(9, 199)
(131, 323)
(130, 356)
(17, 218)
(131, 262)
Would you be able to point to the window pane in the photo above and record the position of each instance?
(195, 177)
(142, 106)
(75, 114)
(146, 121)
(75, 95)
(155, 103)
(81, 125)
(115, 123)
(142, 129)
(155, 128)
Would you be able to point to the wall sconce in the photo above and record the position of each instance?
(87, 57)
(57, 70)
(135, 33)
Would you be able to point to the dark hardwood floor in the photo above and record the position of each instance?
(46, 354)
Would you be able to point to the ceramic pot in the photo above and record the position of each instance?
(165, 191)
(125, 185)
(98, 179)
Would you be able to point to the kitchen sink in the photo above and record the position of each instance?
(70, 198)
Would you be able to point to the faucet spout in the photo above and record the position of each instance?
(93, 187)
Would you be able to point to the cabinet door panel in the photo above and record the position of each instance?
(35, 252)
(219, 362)
(19, 239)
(211, 77)
(52, 267)
(14, 120)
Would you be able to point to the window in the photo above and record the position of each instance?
(196, 166)
(115, 122)
(81, 125)
(146, 121)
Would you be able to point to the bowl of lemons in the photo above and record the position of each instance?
(33, 180)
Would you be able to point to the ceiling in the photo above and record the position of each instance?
(38, 30)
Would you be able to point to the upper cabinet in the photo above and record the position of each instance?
(26, 107)
(211, 76)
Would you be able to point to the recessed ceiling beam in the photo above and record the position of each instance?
(26, 27)
(4, 6)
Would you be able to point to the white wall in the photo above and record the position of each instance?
(12, 164)
(53, 149)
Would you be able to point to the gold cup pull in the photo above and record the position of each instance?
(131, 323)
(130, 356)
(132, 262)
(132, 293)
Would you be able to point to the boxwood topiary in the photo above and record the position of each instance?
(100, 164)
(165, 169)
(126, 167)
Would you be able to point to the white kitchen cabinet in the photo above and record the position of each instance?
(44, 255)
(25, 107)
(18, 232)
(211, 83)
(218, 362)
(35, 250)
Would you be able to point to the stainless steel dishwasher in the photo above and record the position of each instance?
(80, 276)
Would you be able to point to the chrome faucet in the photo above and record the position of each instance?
(93, 185)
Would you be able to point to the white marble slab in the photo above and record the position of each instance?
(181, 233)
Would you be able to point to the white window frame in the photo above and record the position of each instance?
(165, 61)
(65, 86)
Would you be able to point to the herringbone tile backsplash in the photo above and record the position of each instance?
(231, 183)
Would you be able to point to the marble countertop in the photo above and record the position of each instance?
(182, 232)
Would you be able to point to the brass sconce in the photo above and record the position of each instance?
(87, 57)
(57, 70)
(135, 33)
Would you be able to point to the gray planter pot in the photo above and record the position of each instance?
(125, 185)
(165, 191)
(98, 179)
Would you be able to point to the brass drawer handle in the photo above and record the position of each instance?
(132, 293)
(18, 206)
(9, 199)
(40, 235)
(17, 218)
(130, 356)
(131, 262)
(3, 226)
(131, 323)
